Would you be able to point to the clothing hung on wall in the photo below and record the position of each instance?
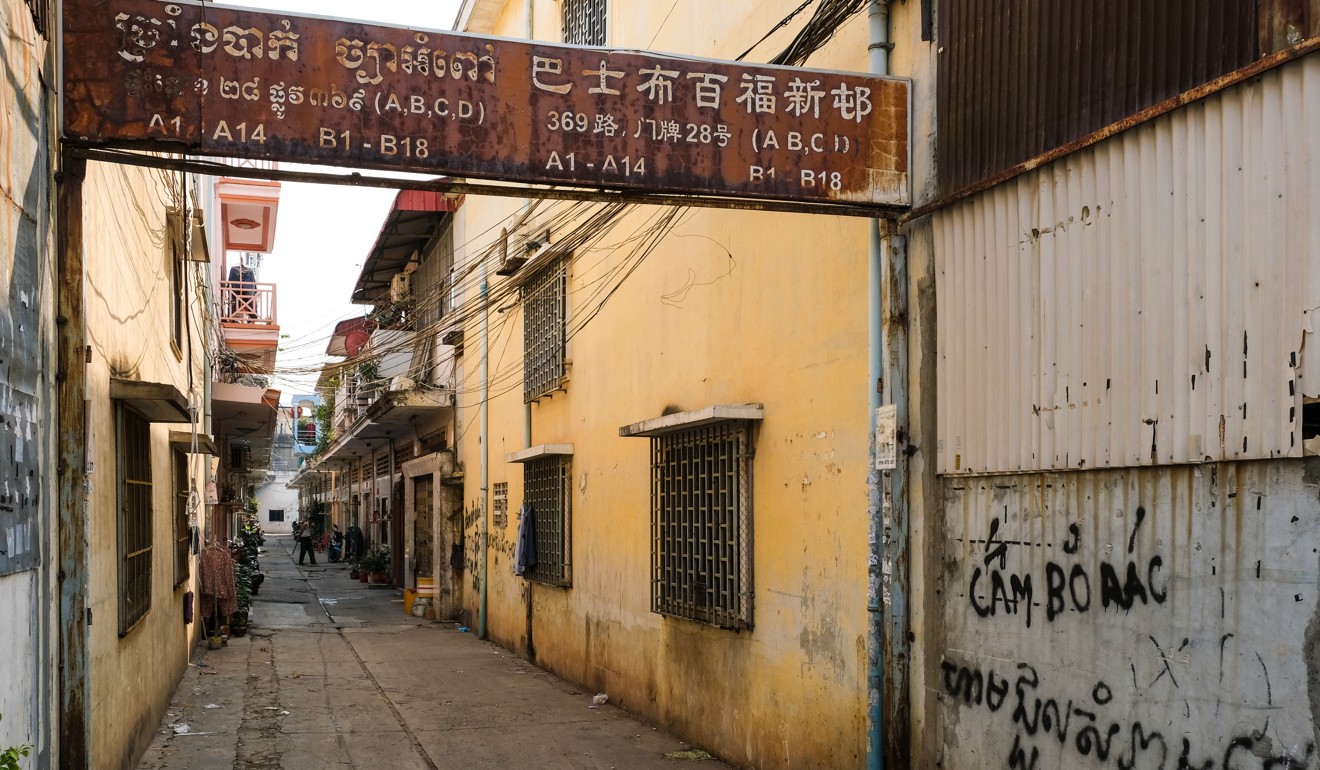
(216, 577)
(524, 552)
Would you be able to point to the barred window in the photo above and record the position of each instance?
(500, 503)
(701, 524)
(182, 532)
(133, 448)
(584, 22)
(546, 485)
(545, 322)
(433, 283)
(276, 515)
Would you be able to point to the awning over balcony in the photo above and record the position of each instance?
(407, 407)
(416, 217)
(248, 209)
(244, 414)
(393, 416)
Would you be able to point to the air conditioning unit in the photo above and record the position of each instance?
(401, 287)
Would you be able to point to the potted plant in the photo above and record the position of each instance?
(11, 756)
(243, 578)
(376, 564)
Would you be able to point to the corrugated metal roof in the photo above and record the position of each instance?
(1145, 301)
(1019, 77)
(415, 218)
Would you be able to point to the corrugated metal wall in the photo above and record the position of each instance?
(1146, 300)
(1018, 78)
(1150, 618)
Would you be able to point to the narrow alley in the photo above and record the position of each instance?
(332, 673)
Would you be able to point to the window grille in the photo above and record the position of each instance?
(546, 486)
(182, 532)
(545, 312)
(433, 284)
(584, 22)
(40, 15)
(500, 503)
(701, 524)
(276, 515)
(134, 453)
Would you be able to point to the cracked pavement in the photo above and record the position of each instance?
(332, 674)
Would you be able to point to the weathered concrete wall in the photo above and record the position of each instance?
(27, 478)
(1155, 618)
(732, 307)
(277, 496)
(129, 304)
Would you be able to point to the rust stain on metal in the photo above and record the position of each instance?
(201, 79)
(1202, 91)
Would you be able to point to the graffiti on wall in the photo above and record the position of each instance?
(1134, 622)
(22, 475)
(1064, 586)
(1088, 724)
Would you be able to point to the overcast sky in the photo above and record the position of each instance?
(324, 231)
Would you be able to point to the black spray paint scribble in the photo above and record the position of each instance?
(1081, 728)
(993, 590)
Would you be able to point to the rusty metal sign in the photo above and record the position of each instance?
(210, 80)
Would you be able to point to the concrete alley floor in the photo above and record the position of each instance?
(333, 674)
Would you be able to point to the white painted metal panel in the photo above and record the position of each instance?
(1145, 301)
(1148, 618)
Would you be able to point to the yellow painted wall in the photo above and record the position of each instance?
(128, 328)
(732, 307)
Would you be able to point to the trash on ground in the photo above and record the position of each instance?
(691, 755)
(600, 699)
(211, 706)
(180, 729)
(464, 629)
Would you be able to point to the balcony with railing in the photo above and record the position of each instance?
(249, 322)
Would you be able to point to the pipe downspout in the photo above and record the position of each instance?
(482, 541)
(878, 54)
(73, 747)
(527, 212)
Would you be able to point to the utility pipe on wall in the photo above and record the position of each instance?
(887, 518)
(482, 541)
(74, 740)
(528, 206)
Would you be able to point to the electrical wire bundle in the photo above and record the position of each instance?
(580, 228)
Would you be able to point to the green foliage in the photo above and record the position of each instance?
(376, 559)
(369, 373)
(243, 574)
(11, 756)
(324, 414)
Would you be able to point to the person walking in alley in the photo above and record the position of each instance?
(305, 547)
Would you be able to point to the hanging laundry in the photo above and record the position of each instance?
(216, 574)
